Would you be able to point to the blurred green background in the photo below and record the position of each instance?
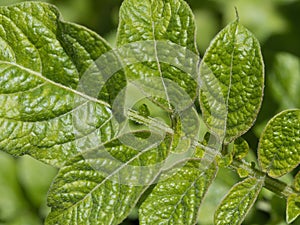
(24, 182)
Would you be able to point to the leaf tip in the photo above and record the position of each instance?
(237, 14)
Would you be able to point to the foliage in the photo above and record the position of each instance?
(123, 126)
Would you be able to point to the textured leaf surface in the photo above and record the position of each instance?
(238, 202)
(41, 61)
(232, 75)
(164, 35)
(103, 185)
(293, 207)
(279, 146)
(293, 202)
(176, 199)
(240, 148)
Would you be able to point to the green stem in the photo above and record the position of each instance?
(149, 121)
(276, 186)
(272, 184)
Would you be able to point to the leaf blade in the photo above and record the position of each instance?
(240, 148)
(293, 207)
(278, 150)
(293, 201)
(40, 92)
(155, 27)
(232, 75)
(177, 199)
(94, 188)
(238, 202)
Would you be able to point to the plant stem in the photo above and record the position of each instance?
(149, 121)
(274, 185)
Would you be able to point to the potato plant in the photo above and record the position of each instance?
(147, 124)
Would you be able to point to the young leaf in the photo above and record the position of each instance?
(293, 207)
(279, 145)
(238, 202)
(240, 148)
(176, 200)
(162, 43)
(232, 75)
(42, 59)
(103, 185)
(293, 202)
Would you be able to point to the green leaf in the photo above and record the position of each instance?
(177, 197)
(218, 189)
(238, 202)
(232, 75)
(156, 20)
(240, 148)
(42, 59)
(235, 150)
(285, 80)
(156, 40)
(293, 207)
(279, 145)
(103, 185)
(293, 202)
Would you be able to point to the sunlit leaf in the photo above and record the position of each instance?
(177, 198)
(42, 59)
(240, 148)
(293, 207)
(232, 76)
(156, 41)
(103, 185)
(279, 146)
(238, 202)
